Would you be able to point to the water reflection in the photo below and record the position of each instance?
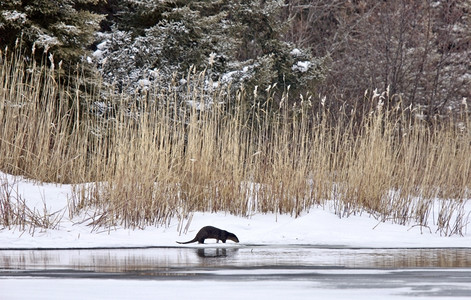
(216, 252)
(164, 259)
(240, 270)
(422, 258)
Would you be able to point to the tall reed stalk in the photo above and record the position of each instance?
(166, 154)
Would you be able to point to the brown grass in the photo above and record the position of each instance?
(160, 156)
(15, 213)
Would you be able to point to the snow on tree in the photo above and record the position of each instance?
(65, 28)
(237, 43)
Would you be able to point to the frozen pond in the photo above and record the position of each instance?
(234, 271)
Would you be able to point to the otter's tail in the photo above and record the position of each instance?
(189, 242)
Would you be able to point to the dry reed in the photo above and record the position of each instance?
(14, 212)
(165, 154)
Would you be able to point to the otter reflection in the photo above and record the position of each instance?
(216, 252)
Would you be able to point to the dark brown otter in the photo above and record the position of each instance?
(210, 232)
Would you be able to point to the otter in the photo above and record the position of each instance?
(210, 232)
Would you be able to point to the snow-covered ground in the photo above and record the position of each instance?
(318, 226)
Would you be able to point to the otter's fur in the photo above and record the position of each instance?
(210, 232)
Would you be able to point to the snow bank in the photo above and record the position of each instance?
(319, 226)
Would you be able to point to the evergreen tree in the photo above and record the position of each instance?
(236, 42)
(64, 28)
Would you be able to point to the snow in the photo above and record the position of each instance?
(295, 52)
(14, 15)
(98, 54)
(46, 41)
(211, 58)
(301, 66)
(104, 289)
(319, 226)
(68, 29)
(154, 73)
(144, 83)
(102, 45)
(228, 77)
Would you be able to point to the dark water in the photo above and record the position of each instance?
(425, 272)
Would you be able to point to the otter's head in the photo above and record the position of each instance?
(232, 237)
